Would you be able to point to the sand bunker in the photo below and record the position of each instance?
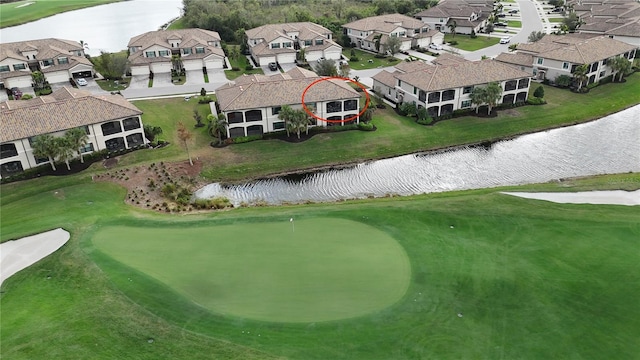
(616, 197)
(16, 255)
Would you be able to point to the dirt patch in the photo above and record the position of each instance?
(145, 183)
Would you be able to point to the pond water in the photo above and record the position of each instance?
(106, 27)
(606, 146)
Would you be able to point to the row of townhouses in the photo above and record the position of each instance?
(617, 19)
(110, 122)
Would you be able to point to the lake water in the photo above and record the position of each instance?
(106, 27)
(606, 146)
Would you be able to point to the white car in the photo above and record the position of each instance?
(81, 82)
(505, 40)
(435, 46)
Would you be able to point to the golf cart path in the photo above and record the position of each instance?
(615, 197)
(16, 255)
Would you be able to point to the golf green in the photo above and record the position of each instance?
(286, 271)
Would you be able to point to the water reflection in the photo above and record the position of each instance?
(608, 145)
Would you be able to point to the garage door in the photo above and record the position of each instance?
(192, 64)
(214, 64)
(160, 68)
(57, 77)
(286, 58)
(19, 82)
(82, 74)
(265, 60)
(139, 70)
(333, 53)
(313, 55)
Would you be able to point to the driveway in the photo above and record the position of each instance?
(194, 77)
(139, 82)
(162, 80)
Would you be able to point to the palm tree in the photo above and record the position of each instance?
(65, 150)
(217, 126)
(619, 65)
(452, 27)
(44, 146)
(492, 94)
(625, 67)
(301, 121)
(477, 97)
(302, 55)
(184, 135)
(286, 114)
(77, 139)
(580, 74)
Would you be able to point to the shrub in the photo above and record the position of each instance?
(205, 99)
(215, 203)
(248, 67)
(366, 126)
(26, 97)
(168, 190)
(245, 139)
(235, 68)
(473, 34)
(354, 59)
(539, 92)
(424, 121)
(453, 42)
(563, 80)
(536, 101)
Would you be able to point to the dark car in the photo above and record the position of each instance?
(501, 15)
(500, 24)
(273, 66)
(514, 11)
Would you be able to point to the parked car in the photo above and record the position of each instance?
(81, 82)
(501, 15)
(273, 66)
(505, 40)
(514, 11)
(321, 58)
(435, 46)
(343, 63)
(500, 24)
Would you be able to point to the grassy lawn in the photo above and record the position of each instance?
(465, 42)
(14, 13)
(368, 60)
(522, 273)
(113, 85)
(178, 79)
(240, 63)
(177, 25)
(346, 268)
(514, 23)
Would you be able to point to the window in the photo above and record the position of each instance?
(19, 67)
(523, 83)
(603, 73)
(134, 140)
(448, 95)
(8, 150)
(348, 31)
(441, 20)
(350, 105)
(510, 85)
(254, 130)
(131, 123)
(403, 34)
(287, 44)
(86, 130)
(422, 95)
(110, 128)
(399, 82)
(150, 54)
(63, 60)
(163, 53)
(467, 90)
(416, 31)
(565, 65)
(10, 168)
(334, 106)
(308, 43)
(275, 46)
(319, 41)
(186, 51)
(253, 115)
(199, 50)
(87, 148)
(4, 68)
(415, 90)
(276, 110)
(235, 117)
(115, 144)
(47, 62)
(278, 125)
(434, 97)
(236, 132)
(466, 104)
(540, 61)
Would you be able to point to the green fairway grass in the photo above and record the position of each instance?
(11, 14)
(327, 269)
(531, 279)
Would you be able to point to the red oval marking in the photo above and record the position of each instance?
(306, 109)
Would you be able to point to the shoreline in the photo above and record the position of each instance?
(84, 6)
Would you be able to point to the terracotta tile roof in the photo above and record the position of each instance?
(412, 66)
(306, 31)
(385, 23)
(267, 91)
(386, 78)
(46, 49)
(458, 9)
(64, 109)
(441, 77)
(448, 59)
(263, 49)
(520, 59)
(576, 48)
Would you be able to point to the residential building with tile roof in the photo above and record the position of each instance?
(364, 33)
(282, 42)
(556, 55)
(617, 19)
(468, 15)
(154, 51)
(252, 103)
(110, 122)
(442, 89)
(58, 59)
